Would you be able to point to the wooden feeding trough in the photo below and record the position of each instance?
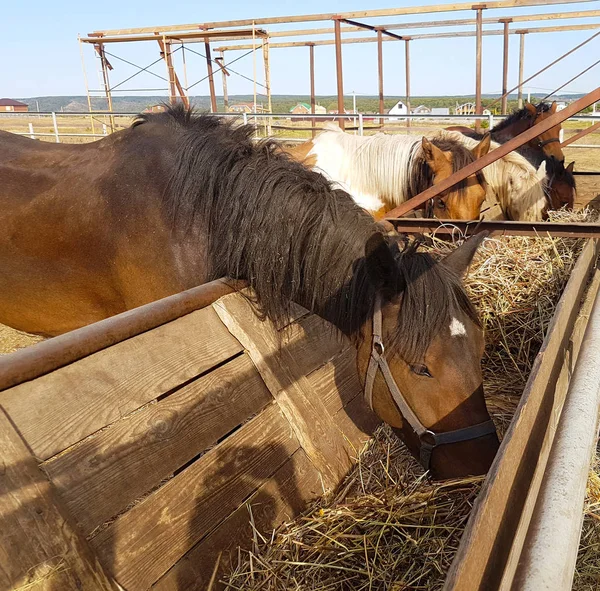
(143, 448)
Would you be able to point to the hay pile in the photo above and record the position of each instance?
(389, 528)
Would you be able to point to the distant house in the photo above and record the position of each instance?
(304, 108)
(155, 109)
(562, 105)
(398, 109)
(440, 111)
(245, 108)
(466, 109)
(13, 106)
(421, 110)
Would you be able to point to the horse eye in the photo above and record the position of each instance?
(440, 203)
(420, 370)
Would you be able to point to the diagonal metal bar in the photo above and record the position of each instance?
(581, 134)
(499, 152)
(572, 79)
(146, 69)
(383, 30)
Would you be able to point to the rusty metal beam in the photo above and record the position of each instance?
(581, 134)
(496, 154)
(478, 50)
(313, 121)
(339, 72)
(506, 22)
(496, 228)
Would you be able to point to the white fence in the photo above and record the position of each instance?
(86, 126)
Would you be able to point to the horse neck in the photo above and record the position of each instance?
(510, 131)
(379, 166)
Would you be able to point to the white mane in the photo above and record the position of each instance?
(376, 170)
(517, 186)
(373, 169)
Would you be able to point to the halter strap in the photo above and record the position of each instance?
(541, 143)
(427, 438)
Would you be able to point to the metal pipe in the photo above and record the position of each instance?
(339, 72)
(407, 70)
(211, 80)
(506, 22)
(221, 62)
(521, 65)
(59, 351)
(380, 70)
(495, 227)
(313, 121)
(550, 549)
(478, 49)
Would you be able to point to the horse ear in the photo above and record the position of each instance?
(381, 266)
(433, 155)
(553, 108)
(483, 147)
(541, 172)
(531, 108)
(570, 167)
(460, 259)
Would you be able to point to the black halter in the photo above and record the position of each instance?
(541, 143)
(427, 438)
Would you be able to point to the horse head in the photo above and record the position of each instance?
(561, 184)
(549, 141)
(462, 201)
(420, 358)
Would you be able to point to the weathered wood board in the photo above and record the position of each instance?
(164, 447)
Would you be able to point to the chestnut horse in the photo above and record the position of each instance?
(382, 171)
(178, 200)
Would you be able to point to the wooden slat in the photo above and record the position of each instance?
(312, 342)
(336, 383)
(61, 408)
(285, 494)
(308, 417)
(485, 546)
(141, 545)
(39, 548)
(358, 423)
(152, 444)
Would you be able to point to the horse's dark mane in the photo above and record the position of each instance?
(421, 176)
(283, 228)
(556, 168)
(519, 115)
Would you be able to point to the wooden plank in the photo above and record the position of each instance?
(281, 498)
(358, 423)
(336, 383)
(61, 408)
(150, 445)
(312, 342)
(307, 415)
(144, 543)
(39, 548)
(580, 134)
(486, 543)
(562, 386)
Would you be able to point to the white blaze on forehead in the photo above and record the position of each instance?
(457, 328)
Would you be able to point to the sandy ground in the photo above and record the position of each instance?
(11, 340)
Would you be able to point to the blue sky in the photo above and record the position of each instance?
(41, 55)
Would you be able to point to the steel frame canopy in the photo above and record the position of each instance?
(226, 31)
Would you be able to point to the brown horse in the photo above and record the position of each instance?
(382, 171)
(547, 144)
(178, 200)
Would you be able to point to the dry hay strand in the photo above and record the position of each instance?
(389, 527)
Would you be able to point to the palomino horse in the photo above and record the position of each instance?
(178, 200)
(514, 183)
(545, 147)
(381, 171)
